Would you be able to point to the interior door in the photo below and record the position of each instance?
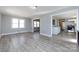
(36, 25)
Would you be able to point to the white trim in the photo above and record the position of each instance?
(77, 24)
(77, 19)
(13, 33)
(51, 25)
(45, 35)
(63, 12)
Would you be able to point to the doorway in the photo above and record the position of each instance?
(64, 26)
(36, 25)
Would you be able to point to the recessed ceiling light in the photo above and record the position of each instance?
(33, 7)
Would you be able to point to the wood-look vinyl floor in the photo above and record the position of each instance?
(34, 42)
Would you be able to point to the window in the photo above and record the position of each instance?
(38, 24)
(34, 23)
(14, 23)
(21, 24)
(17, 23)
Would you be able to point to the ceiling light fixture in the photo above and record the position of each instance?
(33, 7)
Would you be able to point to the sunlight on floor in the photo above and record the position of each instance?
(72, 40)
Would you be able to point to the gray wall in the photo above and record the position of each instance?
(45, 25)
(0, 23)
(6, 25)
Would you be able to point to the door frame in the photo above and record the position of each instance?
(33, 24)
(39, 24)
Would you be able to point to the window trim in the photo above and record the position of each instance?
(18, 24)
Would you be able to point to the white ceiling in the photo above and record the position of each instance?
(67, 14)
(26, 11)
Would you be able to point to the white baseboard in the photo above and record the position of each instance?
(46, 35)
(23, 32)
(13, 33)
